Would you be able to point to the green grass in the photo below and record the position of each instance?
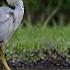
(29, 40)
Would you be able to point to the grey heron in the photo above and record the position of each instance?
(10, 19)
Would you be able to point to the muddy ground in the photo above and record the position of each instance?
(54, 61)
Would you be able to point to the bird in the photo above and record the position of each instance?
(10, 19)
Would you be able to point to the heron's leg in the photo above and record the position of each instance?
(2, 58)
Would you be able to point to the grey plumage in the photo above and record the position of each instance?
(10, 19)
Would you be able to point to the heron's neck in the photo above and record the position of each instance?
(19, 5)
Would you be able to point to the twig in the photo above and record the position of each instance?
(53, 13)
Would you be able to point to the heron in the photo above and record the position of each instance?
(10, 19)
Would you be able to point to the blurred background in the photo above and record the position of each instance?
(45, 26)
(50, 12)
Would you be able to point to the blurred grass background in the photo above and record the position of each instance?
(29, 42)
(32, 41)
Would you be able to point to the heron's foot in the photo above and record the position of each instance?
(2, 58)
(5, 64)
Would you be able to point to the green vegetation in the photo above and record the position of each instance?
(29, 42)
(47, 11)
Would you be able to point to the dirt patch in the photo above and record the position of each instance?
(53, 61)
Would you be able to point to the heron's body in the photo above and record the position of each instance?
(10, 19)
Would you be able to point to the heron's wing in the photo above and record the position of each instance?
(4, 18)
(5, 13)
(5, 9)
(6, 25)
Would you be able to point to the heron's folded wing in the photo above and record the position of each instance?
(6, 26)
(5, 9)
(5, 13)
(4, 18)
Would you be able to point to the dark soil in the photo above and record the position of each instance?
(55, 61)
(48, 64)
(51, 63)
